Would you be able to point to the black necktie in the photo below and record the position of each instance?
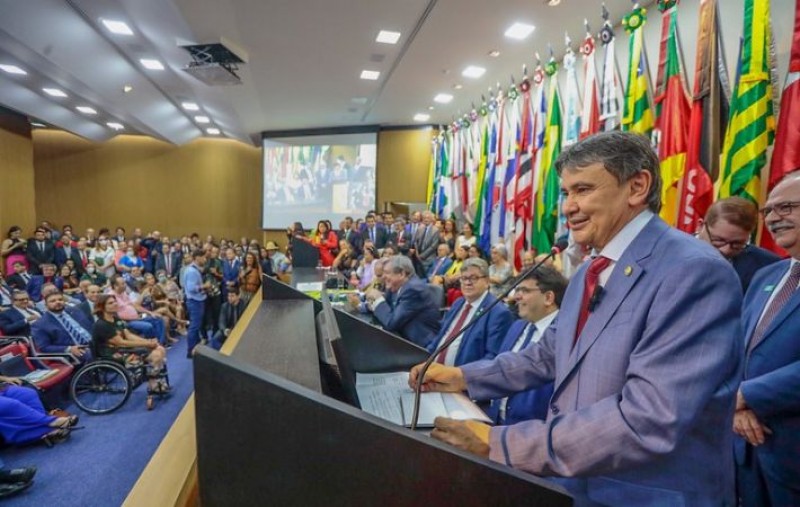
(41, 246)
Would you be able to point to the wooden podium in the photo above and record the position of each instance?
(267, 435)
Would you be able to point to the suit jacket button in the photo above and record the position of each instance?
(554, 409)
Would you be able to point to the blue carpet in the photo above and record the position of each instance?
(99, 464)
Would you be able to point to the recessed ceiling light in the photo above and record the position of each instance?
(443, 98)
(371, 75)
(422, 117)
(117, 27)
(13, 69)
(430, 108)
(127, 89)
(54, 92)
(202, 119)
(553, 3)
(458, 86)
(190, 106)
(359, 100)
(212, 131)
(151, 64)
(114, 125)
(519, 31)
(387, 37)
(86, 110)
(473, 71)
(494, 53)
(38, 125)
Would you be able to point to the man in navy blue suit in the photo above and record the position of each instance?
(17, 320)
(538, 299)
(727, 226)
(767, 414)
(60, 331)
(408, 308)
(483, 339)
(38, 281)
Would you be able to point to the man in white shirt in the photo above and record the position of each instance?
(538, 298)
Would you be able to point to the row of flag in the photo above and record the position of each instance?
(495, 167)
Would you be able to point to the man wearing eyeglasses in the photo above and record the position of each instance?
(483, 339)
(17, 320)
(728, 226)
(767, 416)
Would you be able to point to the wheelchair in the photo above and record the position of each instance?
(104, 385)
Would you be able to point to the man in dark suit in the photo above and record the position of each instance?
(644, 354)
(400, 237)
(20, 279)
(426, 240)
(17, 320)
(229, 315)
(60, 331)
(537, 298)
(767, 414)
(68, 250)
(40, 251)
(408, 308)
(728, 226)
(483, 339)
(38, 281)
(441, 264)
(349, 233)
(86, 307)
(168, 260)
(374, 232)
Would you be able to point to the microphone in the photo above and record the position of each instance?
(559, 247)
(597, 296)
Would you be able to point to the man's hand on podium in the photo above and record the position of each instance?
(447, 379)
(471, 436)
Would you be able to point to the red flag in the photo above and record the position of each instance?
(707, 122)
(590, 115)
(786, 155)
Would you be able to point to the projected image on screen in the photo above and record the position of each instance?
(312, 178)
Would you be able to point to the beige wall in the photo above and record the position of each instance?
(209, 186)
(17, 203)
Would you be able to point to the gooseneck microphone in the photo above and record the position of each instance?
(559, 247)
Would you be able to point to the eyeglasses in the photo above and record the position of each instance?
(781, 209)
(526, 290)
(22, 299)
(721, 243)
(471, 279)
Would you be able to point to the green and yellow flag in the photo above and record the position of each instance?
(546, 206)
(638, 111)
(751, 124)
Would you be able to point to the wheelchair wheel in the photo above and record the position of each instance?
(100, 387)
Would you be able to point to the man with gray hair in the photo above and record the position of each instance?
(408, 307)
(645, 354)
(483, 339)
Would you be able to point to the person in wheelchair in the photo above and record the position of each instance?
(114, 341)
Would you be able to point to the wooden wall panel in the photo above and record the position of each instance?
(404, 158)
(17, 199)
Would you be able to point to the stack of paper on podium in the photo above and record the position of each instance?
(387, 395)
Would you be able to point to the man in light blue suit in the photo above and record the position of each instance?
(645, 356)
(483, 339)
(767, 414)
(538, 298)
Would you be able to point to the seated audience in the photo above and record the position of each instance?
(728, 226)
(229, 315)
(23, 418)
(94, 276)
(48, 276)
(483, 339)
(115, 341)
(20, 278)
(365, 273)
(62, 331)
(538, 299)
(407, 308)
(441, 264)
(500, 271)
(467, 237)
(17, 320)
(133, 313)
(69, 279)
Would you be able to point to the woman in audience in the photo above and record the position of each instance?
(96, 278)
(476, 252)
(173, 292)
(451, 277)
(113, 340)
(346, 260)
(366, 269)
(70, 280)
(265, 262)
(23, 418)
(249, 277)
(102, 256)
(13, 249)
(500, 270)
(467, 237)
(325, 240)
(448, 234)
(153, 299)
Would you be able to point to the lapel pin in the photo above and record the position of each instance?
(769, 288)
(628, 270)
